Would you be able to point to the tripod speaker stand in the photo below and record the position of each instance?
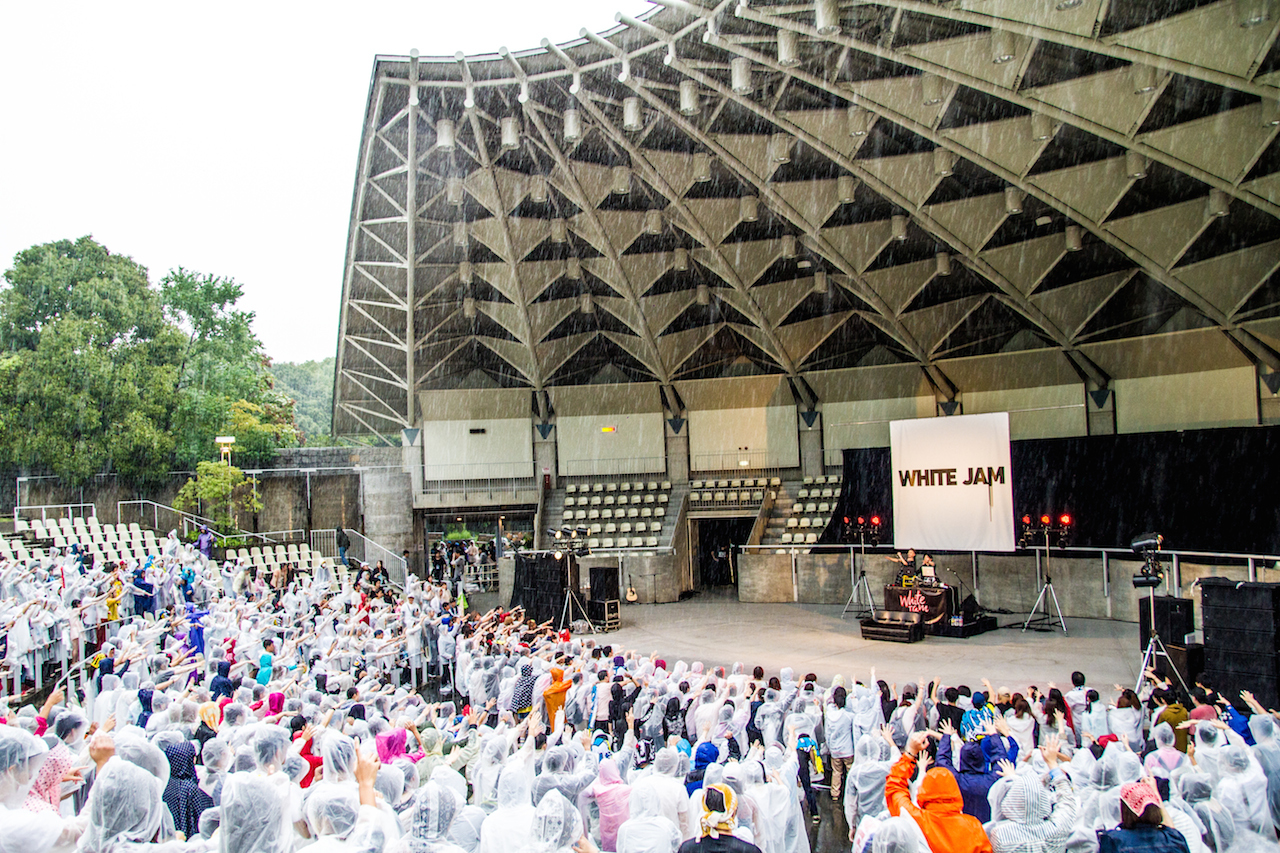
(1046, 621)
(1151, 576)
(860, 602)
(573, 607)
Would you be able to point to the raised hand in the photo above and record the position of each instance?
(1007, 770)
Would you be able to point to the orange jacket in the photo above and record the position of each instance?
(940, 814)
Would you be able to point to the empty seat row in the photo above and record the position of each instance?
(624, 542)
(827, 492)
(727, 497)
(626, 486)
(807, 521)
(632, 512)
(626, 527)
(805, 538)
(611, 500)
(811, 507)
(833, 479)
(749, 483)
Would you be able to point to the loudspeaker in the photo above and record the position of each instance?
(1241, 638)
(1175, 618)
(969, 608)
(604, 583)
(1188, 660)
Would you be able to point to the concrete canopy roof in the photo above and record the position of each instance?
(718, 191)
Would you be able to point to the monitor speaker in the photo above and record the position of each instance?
(604, 583)
(1175, 618)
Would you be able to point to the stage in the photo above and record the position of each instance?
(715, 628)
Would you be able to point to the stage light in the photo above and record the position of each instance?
(944, 162)
(1250, 13)
(631, 118)
(559, 555)
(464, 272)
(453, 190)
(1135, 164)
(1065, 520)
(460, 234)
(690, 100)
(539, 190)
(788, 246)
(748, 208)
(826, 17)
(1219, 201)
(653, 222)
(469, 307)
(1074, 237)
(1044, 519)
(586, 304)
(898, 227)
(1002, 49)
(780, 145)
(621, 180)
(931, 90)
(875, 521)
(1064, 5)
(861, 520)
(703, 295)
(942, 263)
(1013, 197)
(1143, 78)
(820, 281)
(1042, 127)
(446, 134)
(702, 167)
(860, 120)
(740, 76)
(572, 126)
(681, 259)
(788, 48)
(846, 188)
(510, 133)
(559, 231)
(1026, 519)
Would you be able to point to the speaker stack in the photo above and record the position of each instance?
(604, 607)
(1242, 638)
(1175, 618)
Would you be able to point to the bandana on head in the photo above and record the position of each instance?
(714, 823)
(1138, 795)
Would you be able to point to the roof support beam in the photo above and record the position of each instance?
(1223, 183)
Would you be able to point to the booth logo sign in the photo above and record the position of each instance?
(947, 477)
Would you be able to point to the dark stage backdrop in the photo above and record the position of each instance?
(1205, 490)
(538, 586)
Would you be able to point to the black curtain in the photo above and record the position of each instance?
(538, 586)
(1205, 490)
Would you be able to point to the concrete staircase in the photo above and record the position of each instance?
(783, 506)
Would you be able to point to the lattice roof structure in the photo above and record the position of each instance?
(1063, 186)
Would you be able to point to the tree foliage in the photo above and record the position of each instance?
(219, 492)
(102, 372)
(310, 385)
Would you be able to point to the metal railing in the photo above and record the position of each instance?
(81, 510)
(621, 466)
(163, 517)
(478, 471)
(735, 460)
(363, 549)
(487, 488)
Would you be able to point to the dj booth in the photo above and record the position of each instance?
(943, 612)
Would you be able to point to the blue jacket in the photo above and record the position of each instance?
(1154, 839)
(978, 771)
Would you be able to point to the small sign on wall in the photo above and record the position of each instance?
(608, 429)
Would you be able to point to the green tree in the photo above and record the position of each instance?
(310, 385)
(222, 364)
(221, 493)
(90, 363)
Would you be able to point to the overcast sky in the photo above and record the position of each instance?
(222, 137)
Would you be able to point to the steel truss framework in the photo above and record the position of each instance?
(717, 191)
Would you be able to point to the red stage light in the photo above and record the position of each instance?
(1044, 519)
(1026, 519)
(861, 520)
(1065, 521)
(875, 520)
(846, 520)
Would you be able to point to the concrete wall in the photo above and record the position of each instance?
(1214, 398)
(451, 452)
(1052, 411)
(764, 578)
(638, 438)
(826, 578)
(721, 432)
(865, 423)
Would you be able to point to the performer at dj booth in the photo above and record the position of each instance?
(917, 589)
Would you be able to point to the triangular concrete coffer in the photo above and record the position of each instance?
(1100, 397)
(544, 430)
(949, 407)
(409, 436)
(677, 424)
(809, 418)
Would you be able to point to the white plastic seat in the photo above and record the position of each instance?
(732, 497)
(624, 487)
(653, 485)
(802, 494)
(775, 481)
(606, 542)
(625, 527)
(649, 499)
(655, 528)
(593, 514)
(606, 513)
(580, 515)
(793, 522)
(595, 500)
(696, 484)
(659, 512)
(646, 512)
(786, 537)
(598, 487)
(719, 496)
(804, 522)
(810, 538)
(609, 500)
(593, 543)
(811, 507)
(757, 496)
(808, 481)
(666, 485)
(611, 528)
(595, 528)
(568, 515)
(735, 484)
(663, 498)
(623, 541)
(633, 513)
(570, 489)
(828, 493)
(637, 499)
(824, 507)
(611, 487)
(641, 527)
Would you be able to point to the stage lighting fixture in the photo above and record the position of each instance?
(788, 48)
(1002, 49)
(1042, 127)
(1044, 519)
(861, 520)
(510, 133)
(860, 120)
(944, 162)
(586, 304)
(559, 231)
(681, 259)
(539, 189)
(780, 145)
(621, 180)
(1064, 5)
(653, 222)
(1013, 197)
(446, 134)
(1143, 77)
(453, 190)
(702, 167)
(898, 226)
(690, 99)
(1219, 202)
(931, 90)
(942, 263)
(749, 208)
(740, 76)
(1074, 237)
(788, 246)
(703, 295)
(1250, 13)
(469, 307)
(573, 269)
(631, 119)
(1144, 542)
(460, 234)
(826, 17)
(875, 521)
(559, 555)
(1064, 520)
(572, 126)
(1026, 519)
(846, 187)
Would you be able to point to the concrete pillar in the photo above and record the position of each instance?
(545, 456)
(411, 454)
(677, 452)
(811, 460)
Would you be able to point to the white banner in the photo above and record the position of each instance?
(952, 483)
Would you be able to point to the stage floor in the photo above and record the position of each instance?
(716, 629)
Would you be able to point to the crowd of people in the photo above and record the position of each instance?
(348, 714)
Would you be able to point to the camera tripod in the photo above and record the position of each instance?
(1155, 647)
(572, 601)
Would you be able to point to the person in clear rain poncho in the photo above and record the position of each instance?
(646, 830)
(556, 826)
(429, 820)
